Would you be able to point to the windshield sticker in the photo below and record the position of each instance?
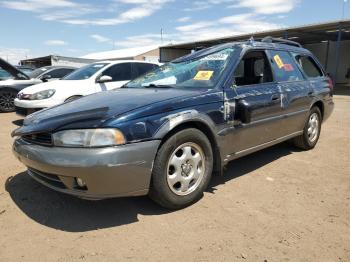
(215, 57)
(288, 67)
(203, 75)
(279, 61)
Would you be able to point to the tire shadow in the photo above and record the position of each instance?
(68, 213)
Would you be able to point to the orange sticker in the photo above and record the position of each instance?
(203, 75)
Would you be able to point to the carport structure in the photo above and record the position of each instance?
(330, 42)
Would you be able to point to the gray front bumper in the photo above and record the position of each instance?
(108, 172)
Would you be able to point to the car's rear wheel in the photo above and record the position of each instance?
(312, 130)
(182, 169)
(7, 98)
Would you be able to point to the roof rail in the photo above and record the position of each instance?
(269, 39)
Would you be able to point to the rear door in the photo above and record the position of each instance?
(295, 89)
(256, 88)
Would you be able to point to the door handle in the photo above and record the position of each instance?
(275, 97)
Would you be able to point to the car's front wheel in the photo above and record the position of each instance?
(312, 130)
(182, 169)
(7, 98)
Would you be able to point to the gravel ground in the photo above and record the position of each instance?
(279, 204)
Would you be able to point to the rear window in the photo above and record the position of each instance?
(285, 67)
(309, 66)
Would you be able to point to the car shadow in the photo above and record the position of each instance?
(68, 213)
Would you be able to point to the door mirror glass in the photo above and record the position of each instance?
(104, 79)
(46, 78)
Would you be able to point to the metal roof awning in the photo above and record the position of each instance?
(308, 34)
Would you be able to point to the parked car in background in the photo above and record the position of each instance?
(164, 133)
(25, 69)
(14, 80)
(96, 77)
(50, 73)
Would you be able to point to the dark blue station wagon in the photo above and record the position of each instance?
(166, 132)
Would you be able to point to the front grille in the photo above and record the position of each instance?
(40, 138)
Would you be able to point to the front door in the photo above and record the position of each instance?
(120, 73)
(255, 87)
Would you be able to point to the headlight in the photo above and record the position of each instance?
(89, 137)
(42, 94)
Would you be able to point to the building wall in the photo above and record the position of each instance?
(151, 56)
(329, 62)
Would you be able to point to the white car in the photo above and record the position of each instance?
(93, 78)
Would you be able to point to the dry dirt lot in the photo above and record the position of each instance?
(280, 204)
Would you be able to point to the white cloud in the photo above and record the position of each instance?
(100, 38)
(37, 5)
(194, 26)
(140, 9)
(184, 19)
(267, 6)
(14, 55)
(55, 42)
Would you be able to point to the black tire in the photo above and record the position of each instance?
(303, 141)
(72, 98)
(7, 98)
(160, 190)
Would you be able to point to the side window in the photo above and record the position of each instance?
(253, 69)
(59, 73)
(284, 67)
(309, 66)
(119, 72)
(140, 68)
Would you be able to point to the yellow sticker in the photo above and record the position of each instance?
(203, 75)
(279, 61)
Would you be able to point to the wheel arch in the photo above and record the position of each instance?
(202, 126)
(320, 106)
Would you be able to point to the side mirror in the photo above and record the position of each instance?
(104, 79)
(243, 112)
(46, 78)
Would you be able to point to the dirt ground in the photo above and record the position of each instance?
(279, 204)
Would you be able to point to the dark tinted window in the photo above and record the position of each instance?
(253, 69)
(140, 68)
(38, 72)
(309, 66)
(119, 72)
(285, 67)
(59, 73)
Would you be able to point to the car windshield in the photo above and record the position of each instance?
(202, 71)
(37, 72)
(85, 72)
(4, 74)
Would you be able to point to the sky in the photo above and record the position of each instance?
(32, 28)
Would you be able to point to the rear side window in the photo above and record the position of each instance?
(309, 66)
(140, 68)
(285, 67)
(119, 72)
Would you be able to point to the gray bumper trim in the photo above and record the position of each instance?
(108, 172)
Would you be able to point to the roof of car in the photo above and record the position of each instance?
(288, 46)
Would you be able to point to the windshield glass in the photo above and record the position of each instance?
(4, 74)
(37, 72)
(85, 72)
(202, 71)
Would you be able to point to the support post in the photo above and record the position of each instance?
(337, 53)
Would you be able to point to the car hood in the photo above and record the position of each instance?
(17, 74)
(94, 110)
(55, 84)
